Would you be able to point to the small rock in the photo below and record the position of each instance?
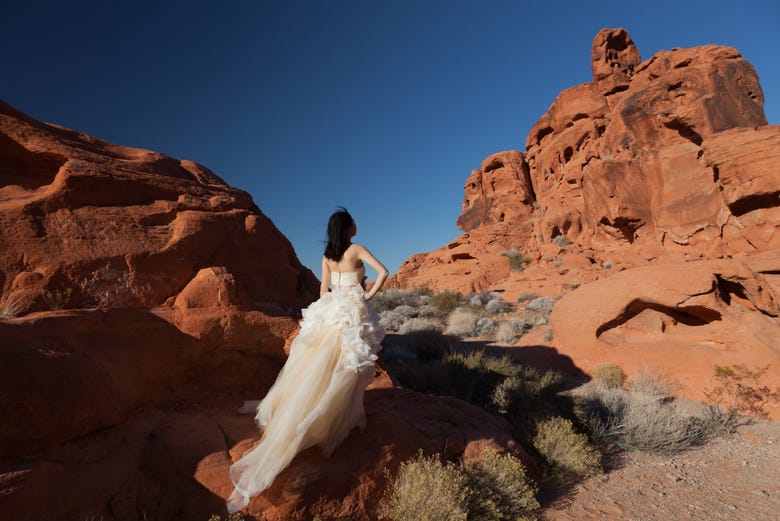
(760, 493)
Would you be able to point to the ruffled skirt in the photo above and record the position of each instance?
(317, 398)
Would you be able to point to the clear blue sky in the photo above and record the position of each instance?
(382, 107)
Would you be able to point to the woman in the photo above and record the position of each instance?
(318, 396)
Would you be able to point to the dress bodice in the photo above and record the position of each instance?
(345, 279)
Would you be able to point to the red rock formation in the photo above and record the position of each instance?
(654, 162)
(499, 192)
(680, 319)
(179, 293)
(102, 225)
(630, 161)
(613, 58)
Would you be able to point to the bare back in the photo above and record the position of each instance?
(350, 261)
(353, 261)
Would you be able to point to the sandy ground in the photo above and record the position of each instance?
(735, 477)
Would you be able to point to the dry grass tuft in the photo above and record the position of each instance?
(424, 489)
(609, 375)
(492, 488)
(566, 452)
(445, 301)
(462, 322)
(651, 383)
(500, 488)
(639, 421)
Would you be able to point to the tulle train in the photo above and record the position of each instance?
(318, 396)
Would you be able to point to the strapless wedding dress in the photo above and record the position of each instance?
(317, 398)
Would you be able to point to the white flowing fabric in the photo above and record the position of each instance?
(317, 398)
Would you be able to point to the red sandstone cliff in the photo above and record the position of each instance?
(655, 187)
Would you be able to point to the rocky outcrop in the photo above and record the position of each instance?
(86, 223)
(143, 300)
(679, 319)
(648, 158)
(172, 463)
(653, 208)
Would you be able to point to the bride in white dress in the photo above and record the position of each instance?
(317, 398)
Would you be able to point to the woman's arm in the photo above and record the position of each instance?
(365, 256)
(325, 280)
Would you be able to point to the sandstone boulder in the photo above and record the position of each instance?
(95, 224)
(679, 319)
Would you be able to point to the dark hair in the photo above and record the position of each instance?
(339, 226)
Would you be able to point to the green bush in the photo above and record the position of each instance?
(610, 375)
(474, 376)
(530, 396)
(517, 260)
(471, 376)
(500, 488)
(424, 489)
(566, 453)
(445, 301)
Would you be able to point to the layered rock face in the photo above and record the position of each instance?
(91, 224)
(666, 162)
(672, 154)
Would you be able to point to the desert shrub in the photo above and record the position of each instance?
(237, 516)
(482, 298)
(485, 327)
(425, 489)
(491, 488)
(428, 345)
(474, 376)
(528, 396)
(548, 335)
(471, 376)
(540, 320)
(392, 298)
(610, 375)
(541, 304)
(517, 260)
(526, 297)
(462, 322)
(638, 421)
(428, 310)
(566, 453)
(57, 300)
(739, 395)
(561, 241)
(414, 325)
(497, 306)
(393, 319)
(509, 331)
(11, 304)
(651, 383)
(500, 488)
(445, 301)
